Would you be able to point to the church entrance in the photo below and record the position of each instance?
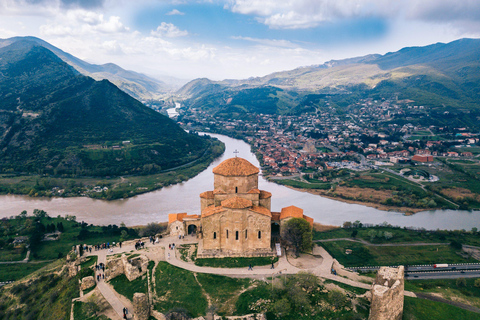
(275, 228)
(192, 229)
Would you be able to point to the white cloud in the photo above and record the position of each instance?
(175, 12)
(168, 30)
(268, 42)
(82, 22)
(296, 14)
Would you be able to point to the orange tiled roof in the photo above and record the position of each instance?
(291, 212)
(172, 217)
(275, 216)
(237, 203)
(218, 191)
(191, 216)
(235, 167)
(261, 210)
(265, 194)
(254, 191)
(208, 211)
(206, 195)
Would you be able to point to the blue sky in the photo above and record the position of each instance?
(222, 39)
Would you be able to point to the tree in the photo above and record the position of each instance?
(60, 226)
(456, 245)
(297, 232)
(354, 233)
(22, 214)
(152, 229)
(37, 213)
(461, 282)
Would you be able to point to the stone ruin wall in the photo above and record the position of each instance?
(132, 268)
(387, 294)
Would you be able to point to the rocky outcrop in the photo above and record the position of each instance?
(87, 283)
(141, 309)
(387, 294)
(132, 268)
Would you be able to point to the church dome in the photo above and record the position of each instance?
(236, 167)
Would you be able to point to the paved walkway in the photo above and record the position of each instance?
(107, 291)
(283, 266)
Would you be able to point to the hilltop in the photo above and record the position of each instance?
(55, 121)
(135, 84)
(438, 75)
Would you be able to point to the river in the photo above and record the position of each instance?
(184, 197)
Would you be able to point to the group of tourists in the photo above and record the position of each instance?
(100, 268)
(154, 240)
(139, 245)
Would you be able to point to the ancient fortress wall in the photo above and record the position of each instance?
(387, 294)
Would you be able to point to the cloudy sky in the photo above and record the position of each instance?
(222, 39)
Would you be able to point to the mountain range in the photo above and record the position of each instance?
(55, 120)
(135, 84)
(438, 75)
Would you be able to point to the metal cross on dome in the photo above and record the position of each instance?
(236, 152)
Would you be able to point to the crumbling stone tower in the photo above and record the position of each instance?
(387, 294)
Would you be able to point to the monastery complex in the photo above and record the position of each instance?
(236, 218)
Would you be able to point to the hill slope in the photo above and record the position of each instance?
(136, 84)
(439, 75)
(55, 120)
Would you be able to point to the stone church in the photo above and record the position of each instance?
(235, 219)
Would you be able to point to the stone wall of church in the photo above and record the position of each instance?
(242, 184)
(205, 203)
(236, 231)
(266, 203)
(177, 228)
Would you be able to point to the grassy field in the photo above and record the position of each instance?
(177, 288)
(223, 291)
(82, 312)
(302, 184)
(402, 255)
(17, 271)
(128, 288)
(235, 262)
(118, 187)
(451, 289)
(400, 235)
(420, 309)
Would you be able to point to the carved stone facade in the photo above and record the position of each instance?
(236, 216)
(387, 294)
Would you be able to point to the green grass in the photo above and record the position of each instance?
(400, 235)
(17, 271)
(450, 289)
(222, 290)
(234, 262)
(425, 309)
(402, 255)
(89, 262)
(302, 185)
(81, 312)
(177, 288)
(128, 288)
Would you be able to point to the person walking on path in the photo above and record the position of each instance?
(250, 267)
(273, 265)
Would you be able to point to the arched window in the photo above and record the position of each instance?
(246, 234)
(236, 235)
(259, 234)
(227, 234)
(214, 235)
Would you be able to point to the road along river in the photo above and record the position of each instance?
(184, 197)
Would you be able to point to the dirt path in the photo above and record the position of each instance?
(209, 299)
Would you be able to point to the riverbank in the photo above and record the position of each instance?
(326, 193)
(106, 188)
